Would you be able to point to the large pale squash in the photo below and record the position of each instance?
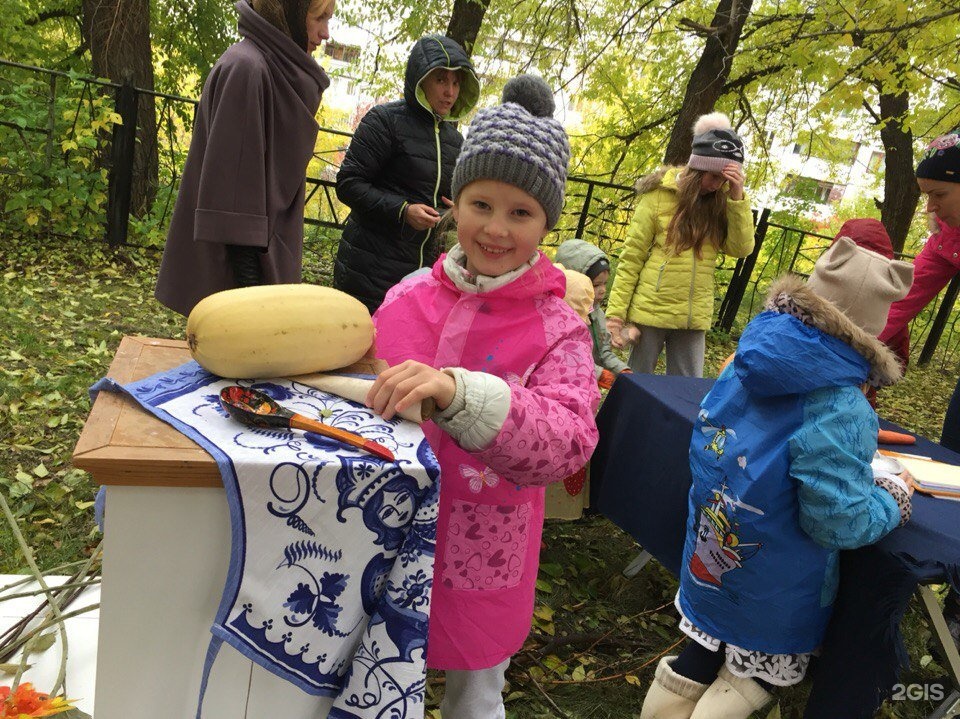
(278, 331)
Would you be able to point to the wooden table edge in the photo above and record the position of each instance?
(151, 466)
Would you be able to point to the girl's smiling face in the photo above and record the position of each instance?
(499, 226)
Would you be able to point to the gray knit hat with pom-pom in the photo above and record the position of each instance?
(519, 143)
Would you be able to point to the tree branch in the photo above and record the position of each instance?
(53, 14)
(697, 28)
(951, 82)
(743, 80)
(869, 108)
(859, 33)
(771, 19)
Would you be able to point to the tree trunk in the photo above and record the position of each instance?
(900, 190)
(709, 76)
(118, 34)
(465, 22)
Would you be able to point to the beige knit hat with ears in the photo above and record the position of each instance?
(860, 283)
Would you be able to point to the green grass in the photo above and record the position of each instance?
(597, 635)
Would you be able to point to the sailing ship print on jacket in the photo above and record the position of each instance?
(719, 547)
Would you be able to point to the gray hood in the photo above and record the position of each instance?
(578, 255)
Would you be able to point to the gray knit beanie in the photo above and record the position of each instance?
(715, 144)
(519, 143)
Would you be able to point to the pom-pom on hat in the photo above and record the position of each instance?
(519, 143)
(862, 284)
(715, 144)
(941, 159)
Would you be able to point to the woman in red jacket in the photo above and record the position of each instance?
(938, 175)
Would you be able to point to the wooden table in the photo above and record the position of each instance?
(123, 445)
(166, 550)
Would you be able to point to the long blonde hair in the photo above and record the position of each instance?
(699, 219)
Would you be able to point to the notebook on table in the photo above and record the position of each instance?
(931, 477)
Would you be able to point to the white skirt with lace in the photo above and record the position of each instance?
(781, 670)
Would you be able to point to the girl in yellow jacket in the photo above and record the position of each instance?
(684, 218)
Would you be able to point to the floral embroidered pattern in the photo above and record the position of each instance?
(316, 591)
(944, 142)
(778, 669)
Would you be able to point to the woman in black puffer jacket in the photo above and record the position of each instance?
(396, 172)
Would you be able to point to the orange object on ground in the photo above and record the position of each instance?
(606, 379)
(886, 436)
(727, 361)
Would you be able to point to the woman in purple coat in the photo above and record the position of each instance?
(238, 220)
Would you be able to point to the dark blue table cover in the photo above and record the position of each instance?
(640, 477)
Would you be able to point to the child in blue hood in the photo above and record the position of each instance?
(780, 459)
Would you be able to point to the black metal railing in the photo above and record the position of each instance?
(61, 128)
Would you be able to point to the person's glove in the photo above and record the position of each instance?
(245, 262)
(606, 379)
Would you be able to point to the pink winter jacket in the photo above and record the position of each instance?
(933, 268)
(491, 501)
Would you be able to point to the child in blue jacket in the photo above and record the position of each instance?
(780, 459)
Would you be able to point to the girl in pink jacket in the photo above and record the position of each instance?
(488, 336)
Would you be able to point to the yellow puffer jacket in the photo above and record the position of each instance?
(654, 287)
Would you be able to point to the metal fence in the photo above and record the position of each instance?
(779, 249)
(73, 138)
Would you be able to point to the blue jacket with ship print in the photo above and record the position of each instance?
(780, 458)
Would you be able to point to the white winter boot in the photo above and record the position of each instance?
(671, 696)
(731, 697)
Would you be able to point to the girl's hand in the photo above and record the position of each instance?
(631, 334)
(407, 383)
(614, 327)
(908, 480)
(421, 217)
(734, 175)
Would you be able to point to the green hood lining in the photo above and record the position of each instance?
(466, 100)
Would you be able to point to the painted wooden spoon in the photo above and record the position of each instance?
(257, 409)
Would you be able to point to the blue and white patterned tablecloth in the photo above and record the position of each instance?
(332, 549)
